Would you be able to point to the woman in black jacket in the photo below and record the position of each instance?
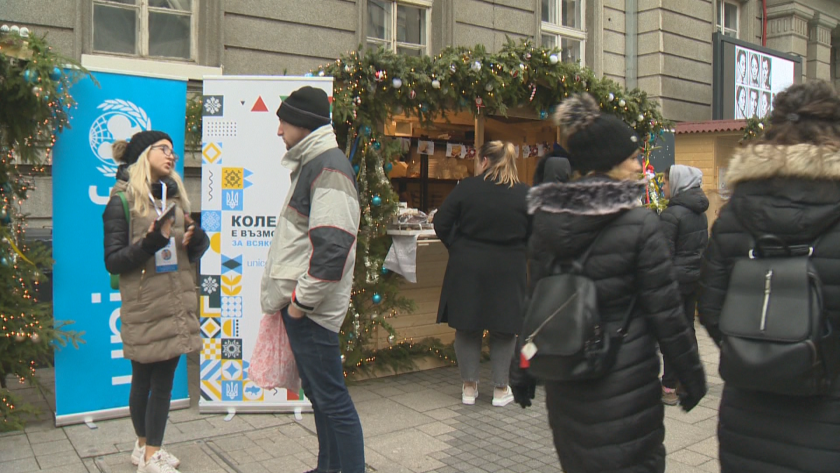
(686, 232)
(484, 225)
(614, 423)
(787, 185)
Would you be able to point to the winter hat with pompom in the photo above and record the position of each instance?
(596, 141)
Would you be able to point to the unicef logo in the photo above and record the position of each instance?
(121, 120)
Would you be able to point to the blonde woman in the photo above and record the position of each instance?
(484, 225)
(157, 286)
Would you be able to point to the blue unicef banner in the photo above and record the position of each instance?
(93, 382)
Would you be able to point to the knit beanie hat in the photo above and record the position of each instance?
(138, 143)
(595, 141)
(307, 107)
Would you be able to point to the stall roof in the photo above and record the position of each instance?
(711, 126)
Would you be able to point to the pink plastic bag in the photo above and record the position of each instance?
(272, 363)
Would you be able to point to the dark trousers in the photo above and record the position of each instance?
(341, 445)
(669, 377)
(148, 402)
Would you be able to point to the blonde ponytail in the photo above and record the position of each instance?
(502, 162)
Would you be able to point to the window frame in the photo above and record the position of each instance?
(558, 31)
(720, 9)
(142, 33)
(392, 44)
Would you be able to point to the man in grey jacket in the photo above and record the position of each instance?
(309, 273)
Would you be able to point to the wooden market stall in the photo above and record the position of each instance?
(708, 146)
(436, 157)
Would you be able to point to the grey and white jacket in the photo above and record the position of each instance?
(313, 253)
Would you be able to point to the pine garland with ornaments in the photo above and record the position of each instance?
(374, 85)
(33, 108)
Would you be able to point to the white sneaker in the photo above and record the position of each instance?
(504, 399)
(140, 452)
(156, 464)
(468, 395)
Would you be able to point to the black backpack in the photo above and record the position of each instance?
(563, 323)
(776, 337)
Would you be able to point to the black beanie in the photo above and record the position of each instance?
(307, 107)
(595, 141)
(139, 142)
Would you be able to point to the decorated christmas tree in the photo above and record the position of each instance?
(33, 108)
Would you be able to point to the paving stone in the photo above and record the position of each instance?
(711, 466)
(42, 436)
(708, 447)
(384, 416)
(60, 459)
(24, 465)
(55, 446)
(426, 400)
(15, 448)
(689, 457)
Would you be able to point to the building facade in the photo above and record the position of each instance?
(661, 46)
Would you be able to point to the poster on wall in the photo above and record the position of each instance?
(243, 189)
(759, 77)
(92, 382)
(747, 77)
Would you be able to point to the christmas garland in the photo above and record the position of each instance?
(755, 128)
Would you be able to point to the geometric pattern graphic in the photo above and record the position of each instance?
(211, 220)
(231, 286)
(259, 106)
(232, 306)
(231, 390)
(215, 128)
(232, 349)
(209, 287)
(232, 370)
(214, 106)
(207, 309)
(251, 391)
(212, 349)
(211, 390)
(232, 264)
(232, 178)
(215, 243)
(232, 199)
(211, 370)
(230, 328)
(211, 153)
(210, 328)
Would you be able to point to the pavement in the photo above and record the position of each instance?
(413, 423)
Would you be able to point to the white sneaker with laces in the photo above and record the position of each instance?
(156, 464)
(140, 452)
(468, 394)
(503, 399)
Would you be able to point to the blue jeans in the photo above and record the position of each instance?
(341, 445)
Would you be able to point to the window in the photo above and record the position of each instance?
(401, 26)
(726, 18)
(148, 28)
(562, 27)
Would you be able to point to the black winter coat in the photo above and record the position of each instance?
(686, 231)
(792, 192)
(485, 228)
(615, 423)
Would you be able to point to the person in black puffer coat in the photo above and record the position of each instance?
(788, 185)
(614, 423)
(686, 231)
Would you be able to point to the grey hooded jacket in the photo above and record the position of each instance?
(313, 253)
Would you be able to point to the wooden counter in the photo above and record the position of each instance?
(431, 266)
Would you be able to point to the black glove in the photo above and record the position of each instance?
(693, 392)
(523, 393)
(153, 241)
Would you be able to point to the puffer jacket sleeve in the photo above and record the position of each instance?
(670, 224)
(714, 281)
(659, 298)
(120, 255)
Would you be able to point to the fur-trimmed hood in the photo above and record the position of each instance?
(803, 161)
(588, 196)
